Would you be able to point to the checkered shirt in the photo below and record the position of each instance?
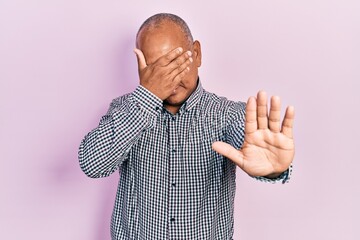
(172, 184)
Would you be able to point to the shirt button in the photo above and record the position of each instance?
(172, 219)
(173, 184)
(173, 118)
(173, 150)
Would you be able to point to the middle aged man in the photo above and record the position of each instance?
(162, 137)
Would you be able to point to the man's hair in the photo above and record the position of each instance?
(156, 20)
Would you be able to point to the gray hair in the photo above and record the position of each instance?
(156, 20)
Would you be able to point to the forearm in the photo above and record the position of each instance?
(104, 149)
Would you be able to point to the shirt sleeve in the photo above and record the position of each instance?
(105, 148)
(235, 135)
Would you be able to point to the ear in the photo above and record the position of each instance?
(197, 53)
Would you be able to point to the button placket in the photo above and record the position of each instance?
(173, 158)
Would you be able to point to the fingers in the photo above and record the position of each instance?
(262, 117)
(179, 77)
(274, 115)
(162, 61)
(256, 115)
(229, 152)
(180, 60)
(179, 67)
(287, 124)
(179, 72)
(174, 64)
(169, 57)
(251, 121)
(140, 59)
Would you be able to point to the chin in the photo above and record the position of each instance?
(174, 102)
(176, 99)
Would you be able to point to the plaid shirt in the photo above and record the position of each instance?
(172, 184)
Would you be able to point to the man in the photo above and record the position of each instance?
(177, 146)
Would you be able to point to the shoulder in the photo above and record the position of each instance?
(220, 104)
(116, 102)
(119, 103)
(121, 99)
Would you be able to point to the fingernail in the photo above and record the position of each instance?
(179, 50)
(190, 59)
(189, 53)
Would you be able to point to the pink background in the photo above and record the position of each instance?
(62, 62)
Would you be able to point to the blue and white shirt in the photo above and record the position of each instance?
(172, 184)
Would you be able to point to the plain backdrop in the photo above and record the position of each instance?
(62, 62)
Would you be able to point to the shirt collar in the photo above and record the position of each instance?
(193, 99)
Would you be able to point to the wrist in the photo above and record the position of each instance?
(154, 91)
(146, 99)
(273, 175)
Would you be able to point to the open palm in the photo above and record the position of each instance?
(268, 149)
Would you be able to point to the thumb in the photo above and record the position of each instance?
(229, 152)
(140, 59)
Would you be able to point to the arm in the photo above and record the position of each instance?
(104, 149)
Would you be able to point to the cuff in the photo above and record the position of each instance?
(284, 177)
(147, 100)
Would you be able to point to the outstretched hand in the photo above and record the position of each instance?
(268, 148)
